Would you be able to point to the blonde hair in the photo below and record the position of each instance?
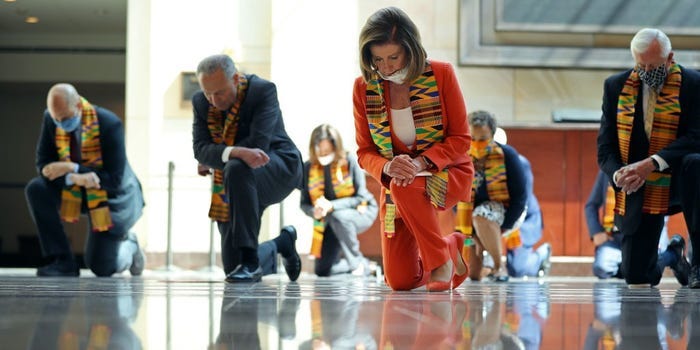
(326, 132)
(391, 25)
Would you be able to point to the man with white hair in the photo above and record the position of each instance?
(646, 147)
(81, 159)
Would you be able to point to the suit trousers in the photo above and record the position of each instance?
(249, 192)
(340, 236)
(690, 200)
(641, 242)
(418, 244)
(106, 253)
(266, 251)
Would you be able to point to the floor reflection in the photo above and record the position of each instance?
(195, 311)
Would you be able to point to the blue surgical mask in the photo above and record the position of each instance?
(68, 124)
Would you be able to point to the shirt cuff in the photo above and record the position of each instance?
(227, 152)
(662, 163)
(69, 180)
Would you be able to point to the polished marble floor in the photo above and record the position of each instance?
(197, 310)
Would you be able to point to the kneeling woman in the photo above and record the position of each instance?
(335, 196)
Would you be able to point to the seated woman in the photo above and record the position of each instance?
(335, 196)
(499, 196)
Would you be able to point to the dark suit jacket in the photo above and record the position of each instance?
(116, 177)
(609, 158)
(517, 188)
(260, 126)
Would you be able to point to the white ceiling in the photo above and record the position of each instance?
(63, 17)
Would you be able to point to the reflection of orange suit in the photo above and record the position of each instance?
(417, 245)
(426, 324)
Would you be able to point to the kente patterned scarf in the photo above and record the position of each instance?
(427, 117)
(91, 157)
(664, 130)
(343, 186)
(496, 184)
(609, 210)
(224, 132)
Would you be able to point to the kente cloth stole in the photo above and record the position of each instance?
(343, 186)
(224, 132)
(91, 154)
(513, 241)
(609, 210)
(496, 185)
(427, 117)
(664, 130)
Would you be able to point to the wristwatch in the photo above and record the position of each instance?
(656, 164)
(428, 163)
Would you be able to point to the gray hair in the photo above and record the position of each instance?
(214, 63)
(483, 118)
(65, 92)
(641, 41)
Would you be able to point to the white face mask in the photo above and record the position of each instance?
(398, 77)
(325, 160)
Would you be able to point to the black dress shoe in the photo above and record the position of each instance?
(292, 262)
(694, 279)
(59, 269)
(242, 274)
(681, 269)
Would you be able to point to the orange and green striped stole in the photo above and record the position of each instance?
(224, 132)
(664, 130)
(91, 157)
(496, 184)
(343, 186)
(609, 210)
(427, 117)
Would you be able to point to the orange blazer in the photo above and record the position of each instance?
(450, 153)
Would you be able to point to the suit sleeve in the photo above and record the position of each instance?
(517, 187)
(266, 115)
(609, 159)
(456, 137)
(46, 146)
(689, 124)
(205, 150)
(367, 154)
(113, 152)
(595, 201)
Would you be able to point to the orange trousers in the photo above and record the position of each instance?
(418, 246)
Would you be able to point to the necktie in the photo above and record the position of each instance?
(649, 111)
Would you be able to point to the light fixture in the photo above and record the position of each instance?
(10, 0)
(31, 20)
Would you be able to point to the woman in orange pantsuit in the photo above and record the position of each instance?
(413, 137)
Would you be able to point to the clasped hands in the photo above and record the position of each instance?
(322, 207)
(631, 178)
(254, 157)
(403, 169)
(54, 170)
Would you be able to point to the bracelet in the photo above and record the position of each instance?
(428, 163)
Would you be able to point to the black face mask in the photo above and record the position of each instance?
(655, 77)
